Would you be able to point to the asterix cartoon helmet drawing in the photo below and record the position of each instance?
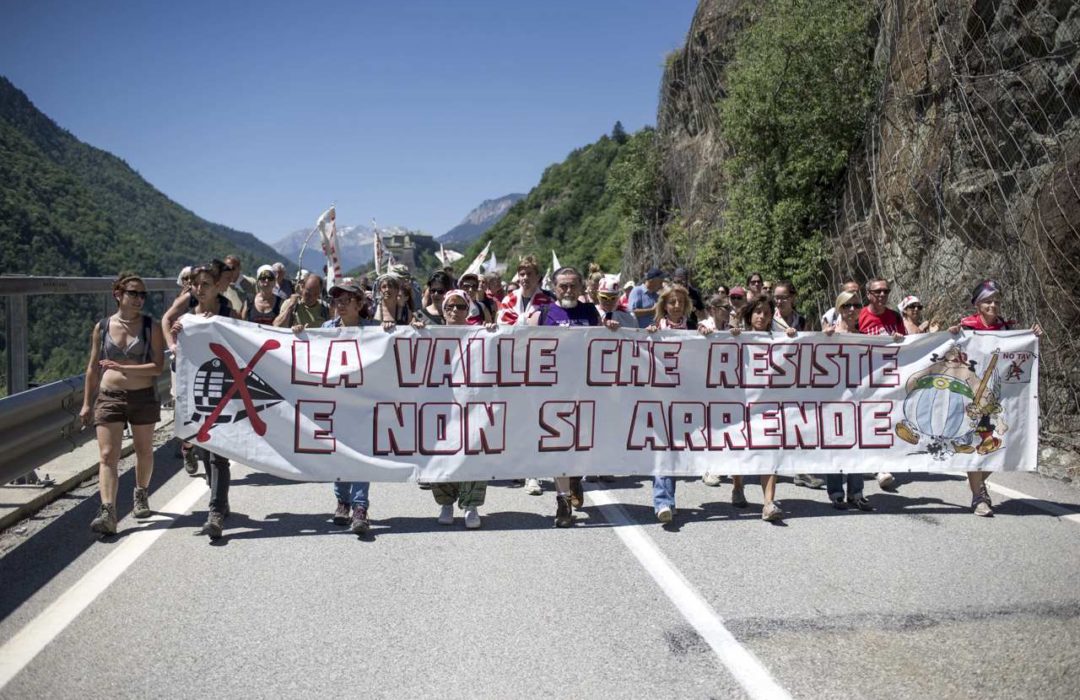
(949, 404)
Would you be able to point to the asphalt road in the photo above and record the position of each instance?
(920, 598)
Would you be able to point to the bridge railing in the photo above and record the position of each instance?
(37, 424)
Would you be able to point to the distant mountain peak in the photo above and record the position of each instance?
(480, 219)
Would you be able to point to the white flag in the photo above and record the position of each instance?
(474, 267)
(555, 264)
(327, 225)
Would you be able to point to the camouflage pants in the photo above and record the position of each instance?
(468, 494)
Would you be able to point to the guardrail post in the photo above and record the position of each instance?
(17, 343)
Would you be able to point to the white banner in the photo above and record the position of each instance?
(460, 404)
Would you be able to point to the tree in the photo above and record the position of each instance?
(618, 133)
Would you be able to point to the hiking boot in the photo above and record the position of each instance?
(738, 498)
(105, 522)
(665, 514)
(809, 481)
(860, 502)
(710, 479)
(577, 494)
(446, 514)
(564, 514)
(472, 518)
(838, 501)
(341, 513)
(191, 461)
(360, 524)
(141, 509)
(532, 487)
(215, 524)
(772, 512)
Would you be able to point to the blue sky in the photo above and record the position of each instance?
(259, 115)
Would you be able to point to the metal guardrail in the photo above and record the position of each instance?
(41, 423)
(16, 288)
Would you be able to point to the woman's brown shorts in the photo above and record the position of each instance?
(137, 406)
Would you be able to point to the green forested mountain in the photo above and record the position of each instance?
(67, 208)
(584, 208)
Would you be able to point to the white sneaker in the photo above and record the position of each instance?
(885, 480)
(472, 519)
(664, 515)
(446, 515)
(710, 479)
(532, 487)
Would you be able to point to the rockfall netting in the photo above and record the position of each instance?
(970, 169)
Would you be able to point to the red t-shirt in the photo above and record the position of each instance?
(888, 323)
(974, 322)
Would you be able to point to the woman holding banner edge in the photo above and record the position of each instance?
(204, 282)
(986, 298)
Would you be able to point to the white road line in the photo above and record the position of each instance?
(739, 661)
(21, 649)
(1052, 508)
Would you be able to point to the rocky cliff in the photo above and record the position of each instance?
(968, 167)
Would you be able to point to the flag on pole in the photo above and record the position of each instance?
(448, 257)
(379, 250)
(492, 265)
(474, 266)
(327, 225)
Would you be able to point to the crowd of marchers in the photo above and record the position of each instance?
(128, 349)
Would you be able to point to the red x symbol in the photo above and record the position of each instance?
(239, 385)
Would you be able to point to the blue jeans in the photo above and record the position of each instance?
(663, 492)
(353, 493)
(834, 483)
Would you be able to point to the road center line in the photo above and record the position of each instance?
(1046, 506)
(28, 642)
(739, 661)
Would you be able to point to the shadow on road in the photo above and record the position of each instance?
(30, 566)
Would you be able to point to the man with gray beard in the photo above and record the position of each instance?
(567, 311)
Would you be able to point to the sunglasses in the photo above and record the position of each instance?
(135, 294)
(266, 278)
(737, 296)
(917, 307)
(851, 306)
(456, 307)
(608, 297)
(880, 291)
(754, 282)
(436, 290)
